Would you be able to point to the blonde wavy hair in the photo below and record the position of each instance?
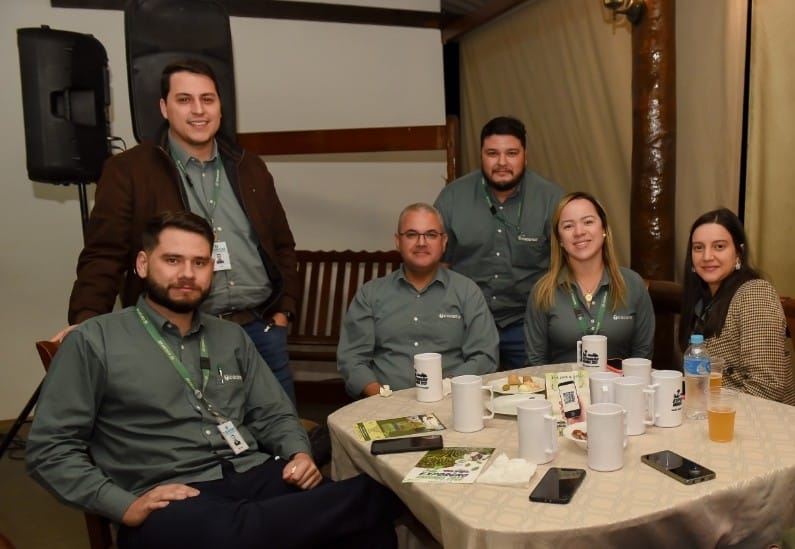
(544, 293)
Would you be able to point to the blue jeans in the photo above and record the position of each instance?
(512, 352)
(272, 345)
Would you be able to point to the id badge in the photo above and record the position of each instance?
(232, 437)
(221, 260)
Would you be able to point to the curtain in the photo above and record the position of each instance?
(564, 68)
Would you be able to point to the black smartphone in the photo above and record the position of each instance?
(682, 469)
(569, 399)
(407, 444)
(557, 485)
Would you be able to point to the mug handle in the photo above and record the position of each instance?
(626, 427)
(655, 387)
(579, 353)
(490, 389)
(649, 392)
(552, 435)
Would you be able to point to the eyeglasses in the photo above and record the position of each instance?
(430, 236)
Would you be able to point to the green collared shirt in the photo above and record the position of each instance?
(551, 336)
(505, 253)
(246, 284)
(389, 321)
(112, 395)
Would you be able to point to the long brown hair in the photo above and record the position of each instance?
(544, 295)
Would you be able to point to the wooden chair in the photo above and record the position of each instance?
(100, 535)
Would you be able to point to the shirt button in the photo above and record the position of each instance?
(498, 254)
(416, 319)
(231, 282)
(499, 230)
(182, 347)
(416, 343)
(211, 201)
(219, 229)
(208, 432)
(496, 276)
(493, 297)
(418, 296)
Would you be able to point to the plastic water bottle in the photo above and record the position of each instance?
(697, 369)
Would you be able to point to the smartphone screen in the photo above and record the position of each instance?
(558, 485)
(569, 399)
(409, 444)
(682, 469)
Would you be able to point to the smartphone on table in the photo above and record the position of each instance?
(682, 469)
(557, 485)
(569, 399)
(406, 444)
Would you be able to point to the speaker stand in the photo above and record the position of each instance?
(23, 415)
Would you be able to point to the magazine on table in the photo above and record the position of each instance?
(570, 396)
(460, 465)
(375, 429)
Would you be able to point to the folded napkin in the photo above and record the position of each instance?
(508, 472)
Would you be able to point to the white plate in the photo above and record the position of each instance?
(567, 432)
(506, 404)
(538, 386)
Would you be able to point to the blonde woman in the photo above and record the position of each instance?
(585, 291)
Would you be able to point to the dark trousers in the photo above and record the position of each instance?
(257, 509)
(512, 351)
(272, 345)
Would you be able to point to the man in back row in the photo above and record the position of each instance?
(420, 308)
(191, 166)
(498, 225)
(168, 422)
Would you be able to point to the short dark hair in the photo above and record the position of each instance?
(504, 125)
(184, 220)
(193, 66)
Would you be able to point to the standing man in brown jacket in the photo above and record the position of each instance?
(190, 166)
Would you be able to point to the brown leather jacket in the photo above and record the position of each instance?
(144, 181)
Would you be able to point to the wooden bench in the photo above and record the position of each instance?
(329, 281)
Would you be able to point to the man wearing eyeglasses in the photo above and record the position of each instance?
(420, 308)
(497, 221)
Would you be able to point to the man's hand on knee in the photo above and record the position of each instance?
(301, 471)
(156, 498)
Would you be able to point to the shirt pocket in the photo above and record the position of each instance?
(529, 251)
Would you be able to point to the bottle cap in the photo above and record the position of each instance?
(697, 338)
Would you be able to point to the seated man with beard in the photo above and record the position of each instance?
(167, 421)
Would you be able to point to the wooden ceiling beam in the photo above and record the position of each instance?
(304, 11)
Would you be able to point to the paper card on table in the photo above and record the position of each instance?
(458, 465)
(375, 429)
(570, 396)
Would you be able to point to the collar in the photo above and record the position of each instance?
(182, 155)
(162, 323)
(565, 277)
(441, 276)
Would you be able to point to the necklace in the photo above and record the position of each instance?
(588, 294)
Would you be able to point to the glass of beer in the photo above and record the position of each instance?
(721, 410)
(717, 365)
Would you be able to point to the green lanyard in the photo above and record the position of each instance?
(497, 214)
(600, 315)
(204, 357)
(210, 213)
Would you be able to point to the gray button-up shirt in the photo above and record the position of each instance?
(389, 321)
(112, 393)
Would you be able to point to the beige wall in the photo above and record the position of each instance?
(290, 75)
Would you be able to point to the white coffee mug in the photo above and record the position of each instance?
(667, 387)
(601, 386)
(607, 436)
(538, 431)
(638, 400)
(428, 376)
(468, 403)
(592, 352)
(637, 367)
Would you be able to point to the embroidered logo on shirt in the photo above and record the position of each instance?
(622, 317)
(232, 377)
(450, 315)
(525, 238)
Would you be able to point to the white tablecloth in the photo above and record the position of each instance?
(749, 504)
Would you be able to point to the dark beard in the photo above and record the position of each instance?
(502, 187)
(159, 294)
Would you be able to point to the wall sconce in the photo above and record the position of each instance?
(631, 9)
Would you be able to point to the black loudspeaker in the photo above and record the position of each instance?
(159, 32)
(65, 98)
